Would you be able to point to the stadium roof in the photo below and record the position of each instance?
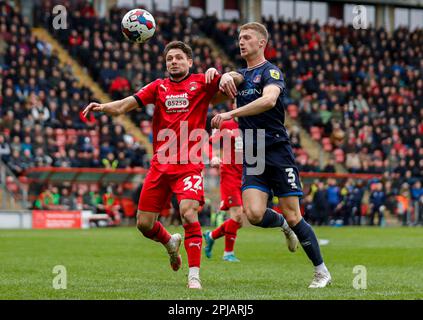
(402, 3)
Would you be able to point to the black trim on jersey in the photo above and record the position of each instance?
(139, 101)
(186, 77)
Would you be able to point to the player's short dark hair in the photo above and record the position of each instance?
(258, 27)
(178, 45)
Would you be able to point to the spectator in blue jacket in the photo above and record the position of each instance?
(417, 200)
(377, 203)
(333, 197)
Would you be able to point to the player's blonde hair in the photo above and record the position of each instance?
(258, 27)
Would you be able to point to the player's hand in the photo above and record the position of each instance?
(210, 74)
(227, 85)
(217, 120)
(93, 106)
(215, 162)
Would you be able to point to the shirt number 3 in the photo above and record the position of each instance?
(291, 177)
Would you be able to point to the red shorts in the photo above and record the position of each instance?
(230, 190)
(159, 186)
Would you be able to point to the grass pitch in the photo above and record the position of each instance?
(120, 264)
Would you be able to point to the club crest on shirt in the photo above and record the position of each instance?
(257, 78)
(275, 74)
(193, 86)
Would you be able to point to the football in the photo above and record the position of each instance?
(138, 25)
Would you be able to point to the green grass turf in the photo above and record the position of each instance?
(120, 264)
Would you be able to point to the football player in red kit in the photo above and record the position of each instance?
(230, 188)
(181, 104)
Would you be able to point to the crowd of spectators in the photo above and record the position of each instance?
(359, 202)
(121, 67)
(358, 92)
(40, 109)
(106, 199)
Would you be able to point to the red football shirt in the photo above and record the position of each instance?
(180, 108)
(231, 143)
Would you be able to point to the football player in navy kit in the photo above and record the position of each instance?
(260, 106)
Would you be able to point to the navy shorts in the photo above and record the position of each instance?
(280, 177)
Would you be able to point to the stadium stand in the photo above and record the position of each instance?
(41, 104)
(120, 67)
(357, 93)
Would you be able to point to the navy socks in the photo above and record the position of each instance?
(308, 241)
(271, 219)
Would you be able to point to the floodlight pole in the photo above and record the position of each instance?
(250, 10)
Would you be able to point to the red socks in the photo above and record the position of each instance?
(219, 231)
(231, 229)
(228, 229)
(193, 242)
(158, 233)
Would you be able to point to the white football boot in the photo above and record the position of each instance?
(173, 249)
(321, 279)
(194, 283)
(291, 239)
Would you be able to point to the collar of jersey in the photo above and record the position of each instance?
(186, 77)
(259, 65)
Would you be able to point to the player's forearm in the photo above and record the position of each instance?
(238, 78)
(253, 108)
(119, 107)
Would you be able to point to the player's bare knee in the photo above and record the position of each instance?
(254, 214)
(189, 215)
(144, 223)
(292, 215)
(291, 210)
(189, 211)
(292, 218)
(236, 214)
(238, 218)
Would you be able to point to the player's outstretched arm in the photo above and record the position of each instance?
(114, 108)
(266, 102)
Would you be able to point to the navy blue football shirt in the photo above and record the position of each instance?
(255, 79)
